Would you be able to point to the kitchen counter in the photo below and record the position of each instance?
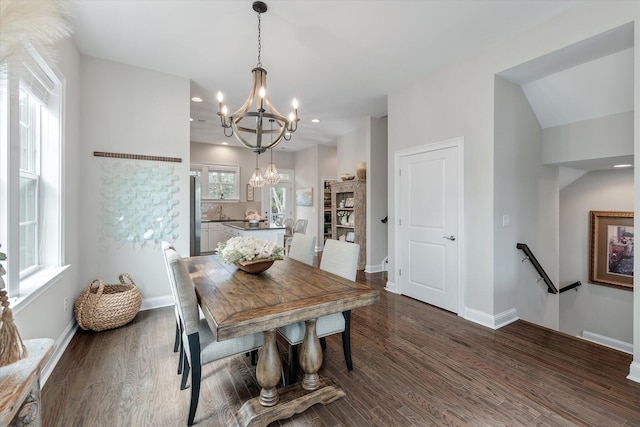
(229, 220)
(261, 230)
(245, 225)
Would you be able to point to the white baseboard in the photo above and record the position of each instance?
(391, 287)
(608, 342)
(156, 302)
(60, 346)
(489, 320)
(374, 268)
(634, 372)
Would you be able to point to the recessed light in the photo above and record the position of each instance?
(225, 143)
(190, 119)
(315, 120)
(622, 166)
(196, 99)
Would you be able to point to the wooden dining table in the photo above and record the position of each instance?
(236, 303)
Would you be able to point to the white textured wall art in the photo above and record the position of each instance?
(139, 204)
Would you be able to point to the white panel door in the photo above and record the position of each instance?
(428, 227)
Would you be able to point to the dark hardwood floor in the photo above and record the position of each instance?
(414, 365)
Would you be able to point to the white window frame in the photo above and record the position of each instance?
(42, 80)
(205, 168)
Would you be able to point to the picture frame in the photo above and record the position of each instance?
(249, 193)
(304, 196)
(350, 237)
(349, 202)
(611, 254)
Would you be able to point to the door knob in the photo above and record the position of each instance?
(452, 237)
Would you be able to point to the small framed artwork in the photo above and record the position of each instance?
(349, 202)
(611, 257)
(249, 193)
(350, 236)
(304, 197)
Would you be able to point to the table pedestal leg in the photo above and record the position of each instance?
(310, 357)
(268, 369)
(295, 398)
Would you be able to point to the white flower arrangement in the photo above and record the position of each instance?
(244, 249)
(343, 213)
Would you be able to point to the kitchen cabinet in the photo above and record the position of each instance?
(212, 233)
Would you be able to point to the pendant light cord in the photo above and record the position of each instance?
(259, 41)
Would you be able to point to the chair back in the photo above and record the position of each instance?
(300, 226)
(185, 292)
(340, 258)
(303, 248)
(288, 226)
(166, 249)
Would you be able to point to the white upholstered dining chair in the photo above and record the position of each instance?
(177, 346)
(340, 258)
(199, 344)
(300, 226)
(302, 248)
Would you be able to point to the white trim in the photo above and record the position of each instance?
(608, 342)
(157, 302)
(504, 318)
(479, 317)
(441, 145)
(35, 285)
(391, 287)
(376, 268)
(60, 346)
(634, 372)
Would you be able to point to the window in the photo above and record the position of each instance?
(30, 175)
(218, 181)
(30, 123)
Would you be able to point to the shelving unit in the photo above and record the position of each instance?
(327, 215)
(348, 214)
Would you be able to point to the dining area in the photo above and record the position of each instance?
(222, 310)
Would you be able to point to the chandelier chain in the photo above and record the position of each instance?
(259, 41)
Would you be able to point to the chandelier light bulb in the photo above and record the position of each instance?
(294, 104)
(220, 96)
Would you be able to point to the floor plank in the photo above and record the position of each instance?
(414, 365)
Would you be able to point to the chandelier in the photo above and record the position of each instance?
(247, 125)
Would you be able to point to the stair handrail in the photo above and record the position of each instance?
(531, 257)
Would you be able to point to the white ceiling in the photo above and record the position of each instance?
(340, 59)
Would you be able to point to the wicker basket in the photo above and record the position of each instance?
(107, 306)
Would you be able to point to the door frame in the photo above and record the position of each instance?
(265, 198)
(398, 156)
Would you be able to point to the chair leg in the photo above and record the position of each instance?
(254, 357)
(181, 358)
(196, 375)
(346, 339)
(293, 363)
(185, 370)
(176, 344)
(323, 343)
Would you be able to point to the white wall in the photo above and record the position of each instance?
(599, 309)
(137, 111)
(459, 102)
(307, 176)
(604, 137)
(529, 197)
(352, 148)
(377, 209)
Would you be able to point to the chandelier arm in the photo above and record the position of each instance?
(257, 81)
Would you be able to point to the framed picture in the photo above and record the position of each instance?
(612, 249)
(350, 236)
(349, 202)
(249, 193)
(304, 197)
